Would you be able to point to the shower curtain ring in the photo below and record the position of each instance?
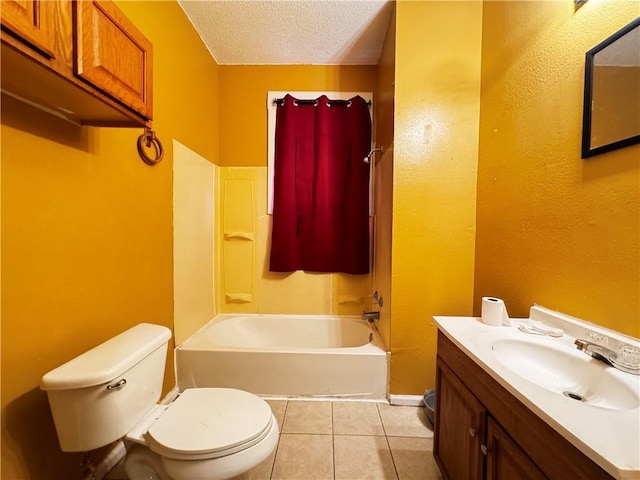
(149, 139)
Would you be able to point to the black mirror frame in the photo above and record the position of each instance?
(587, 151)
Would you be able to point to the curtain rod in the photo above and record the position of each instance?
(278, 101)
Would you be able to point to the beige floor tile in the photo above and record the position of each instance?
(405, 421)
(302, 457)
(413, 458)
(363, 458)
(356, 418)
(307, 417)
(278, 408)
(261, 471)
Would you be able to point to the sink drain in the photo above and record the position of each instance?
(574, 396)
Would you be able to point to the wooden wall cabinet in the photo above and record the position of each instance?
(113, 55)
(81, 60)
(483, 432)
(25, 18)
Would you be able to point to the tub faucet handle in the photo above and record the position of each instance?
(377, 299)
(370, 316)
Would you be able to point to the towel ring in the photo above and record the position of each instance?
(148, 139)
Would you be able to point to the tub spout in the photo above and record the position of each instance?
(370, 316)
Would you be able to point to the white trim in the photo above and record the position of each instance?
(407, 400)
(326, 398)
(271, 125)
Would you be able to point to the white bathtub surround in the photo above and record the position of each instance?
(194, 178)
(604, 429)
(287, 356)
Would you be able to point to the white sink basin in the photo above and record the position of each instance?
(573, 374)
(537, 370)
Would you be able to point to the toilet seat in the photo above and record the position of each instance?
(208, 423)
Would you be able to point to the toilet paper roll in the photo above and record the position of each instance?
(494, 311)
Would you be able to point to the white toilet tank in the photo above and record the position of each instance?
(99, 396)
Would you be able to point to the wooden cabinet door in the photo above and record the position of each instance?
(459, 428)
(113, 55)
(505, 459)
(27, 19)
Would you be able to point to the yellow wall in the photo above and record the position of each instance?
(437, 106)
(384, 92)
(553, 229)
(243, 94)
(87, 227)
(87, 233)
(383, 181)
(246, 285)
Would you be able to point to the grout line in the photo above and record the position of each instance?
(386, 437)
(333, 444)
(333, 436)
(309, 434)
(381, 421)
(393, 460)
(275, 454)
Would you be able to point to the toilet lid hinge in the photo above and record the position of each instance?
(139, 430)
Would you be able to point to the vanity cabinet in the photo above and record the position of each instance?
(469, 442)
(81, 60)
(504, 459)
(483, 432)
(459, 436)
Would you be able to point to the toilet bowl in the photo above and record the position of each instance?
(206, 433)
(110, 393)
(141, 463)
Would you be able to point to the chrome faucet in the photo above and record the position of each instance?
(599, 352)
(370, 316)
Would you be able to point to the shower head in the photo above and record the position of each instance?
(367, 159)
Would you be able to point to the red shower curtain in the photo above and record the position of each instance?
(321, 186)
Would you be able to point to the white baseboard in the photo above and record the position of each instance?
(407, 400)
(401, 400)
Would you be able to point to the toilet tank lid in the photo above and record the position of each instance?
(108, 360)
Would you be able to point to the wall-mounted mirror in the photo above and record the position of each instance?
(611, 117)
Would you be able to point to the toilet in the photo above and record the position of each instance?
(110, 393)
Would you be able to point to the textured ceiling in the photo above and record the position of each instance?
(285, 32)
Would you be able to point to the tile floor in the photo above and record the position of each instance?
(339, 440)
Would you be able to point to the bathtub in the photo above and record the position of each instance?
(286, 355)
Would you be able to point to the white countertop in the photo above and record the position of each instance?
(611, 438)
